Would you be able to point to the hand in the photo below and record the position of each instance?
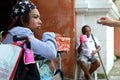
(80, 41)
(106, 21)
(57, 35)
(93, 52)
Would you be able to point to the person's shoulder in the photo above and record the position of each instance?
(94, 36)
(20, 30)
(17, 28)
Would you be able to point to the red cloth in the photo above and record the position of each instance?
(63, 43)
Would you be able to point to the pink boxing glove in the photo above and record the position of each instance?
(83, 38)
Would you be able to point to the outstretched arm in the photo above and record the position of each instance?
(104, 20)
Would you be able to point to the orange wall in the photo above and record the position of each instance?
(117, 41)
(58, 16)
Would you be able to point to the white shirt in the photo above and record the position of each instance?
(88, 46)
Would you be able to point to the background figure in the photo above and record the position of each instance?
(108, 21)
(87, 51)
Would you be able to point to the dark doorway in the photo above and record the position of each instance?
(5, 11)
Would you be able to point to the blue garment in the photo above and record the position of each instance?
(45, 72)
(47, 47)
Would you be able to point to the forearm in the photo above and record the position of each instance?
(47, 47)
(116, 23)
(79, 48)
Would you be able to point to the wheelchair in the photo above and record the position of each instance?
(41, 63)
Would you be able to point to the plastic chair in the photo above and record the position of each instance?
(79, 74)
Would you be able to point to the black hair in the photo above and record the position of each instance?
(20, 12)
(84, 28)
(6, 7)
(25, 19)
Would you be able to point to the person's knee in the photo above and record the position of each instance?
(97, 63)
(83, 63)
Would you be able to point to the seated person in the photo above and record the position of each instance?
(88, 51)
(26, 20)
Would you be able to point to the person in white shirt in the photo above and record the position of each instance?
(88, 51)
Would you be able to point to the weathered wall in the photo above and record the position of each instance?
(117, 41)
(116, 33)
(58, 16)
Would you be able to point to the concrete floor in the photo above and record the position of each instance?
(115, 72)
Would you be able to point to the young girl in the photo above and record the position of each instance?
(26, 21)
